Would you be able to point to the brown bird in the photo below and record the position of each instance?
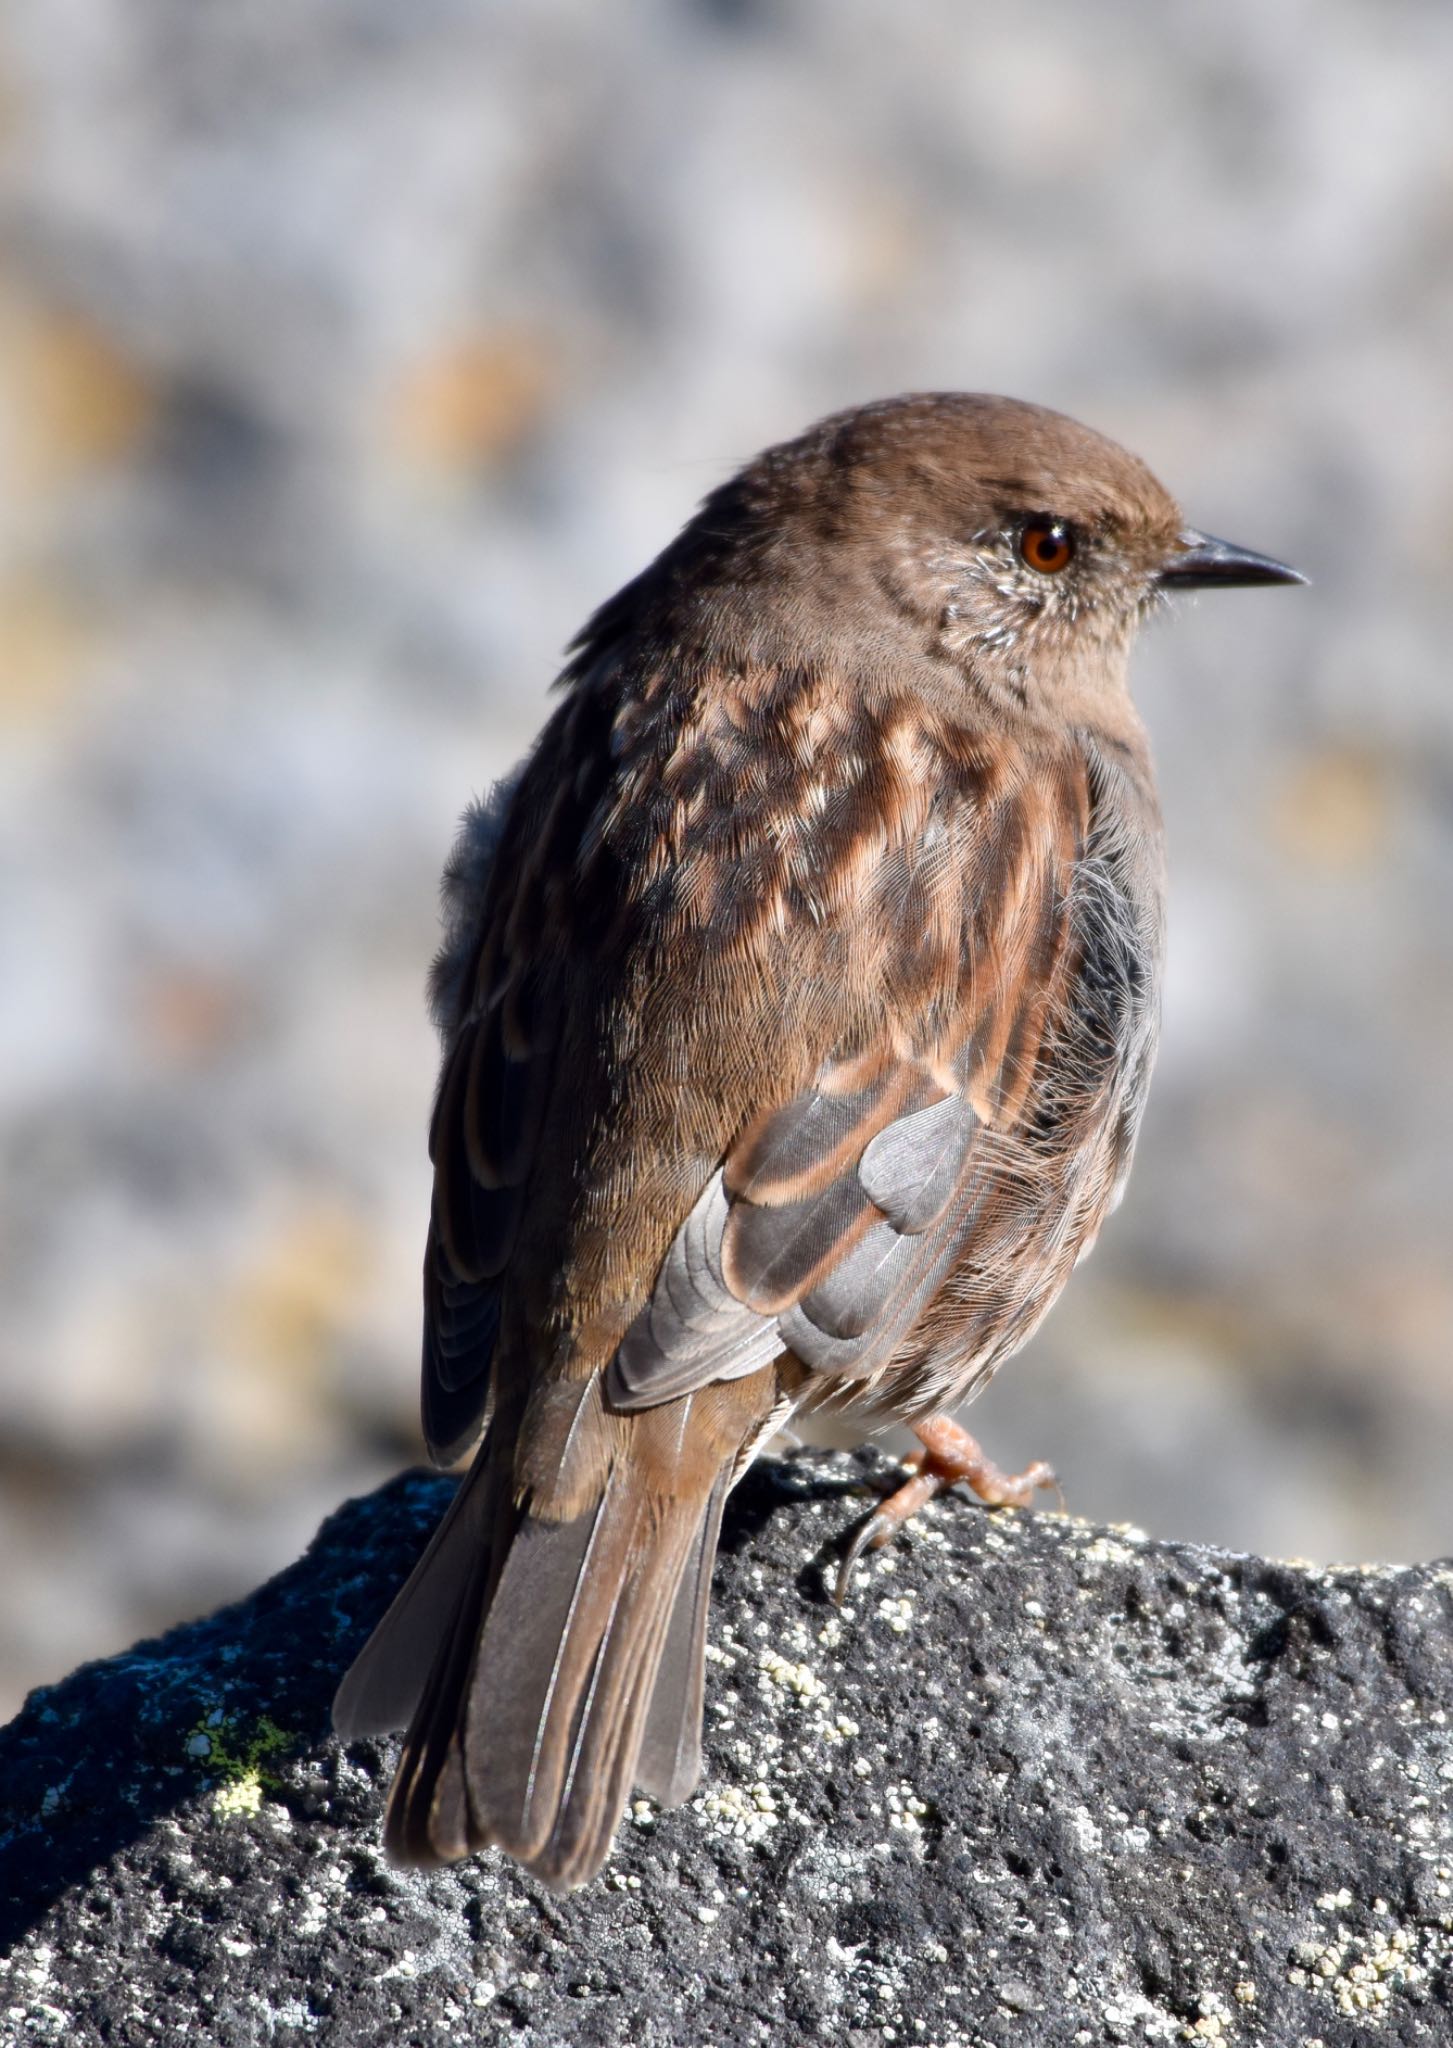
(799, 998)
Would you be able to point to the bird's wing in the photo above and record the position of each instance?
(744, 1045)
(495, 996)
(836, 1215)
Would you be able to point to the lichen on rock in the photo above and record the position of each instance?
(1035, 1782)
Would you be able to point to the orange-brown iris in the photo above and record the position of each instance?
(1047, 545)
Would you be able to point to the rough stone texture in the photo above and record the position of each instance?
(1037, 1782)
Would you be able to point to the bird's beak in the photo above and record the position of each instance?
(1201, 562)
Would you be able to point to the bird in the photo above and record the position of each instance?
(798, 997)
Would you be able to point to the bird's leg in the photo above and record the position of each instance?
(949, 1455)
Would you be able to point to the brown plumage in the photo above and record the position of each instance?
(799, 1002)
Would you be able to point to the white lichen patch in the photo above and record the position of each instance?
(1360, 1972)
(1130, 2016)
(1086, 1831)
(743, 1813)
(1212, 2022)
(785, 1681)
(906, 1811)
(800, 1679)
(313, 1917)
(1368, 1982)
(898, 1613)
(1108, 1549)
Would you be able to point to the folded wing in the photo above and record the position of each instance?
(835, 1217)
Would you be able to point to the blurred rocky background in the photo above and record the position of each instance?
(350, 350)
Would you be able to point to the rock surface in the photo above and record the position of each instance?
(1036, 1783)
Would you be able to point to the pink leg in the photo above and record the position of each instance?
(949, 1455)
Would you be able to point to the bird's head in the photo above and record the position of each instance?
(1012, 541)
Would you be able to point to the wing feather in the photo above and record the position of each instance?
(910, 1170)
(831, 1213)
(837, 1215)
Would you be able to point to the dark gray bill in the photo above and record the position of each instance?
(1205, 563)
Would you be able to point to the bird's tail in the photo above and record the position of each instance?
(543, 1667)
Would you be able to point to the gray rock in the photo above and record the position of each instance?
(1037, 1782)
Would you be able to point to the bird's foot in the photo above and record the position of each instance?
(949, 1455)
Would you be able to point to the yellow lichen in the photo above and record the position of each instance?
(235, 1756)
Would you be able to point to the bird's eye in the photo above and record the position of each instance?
(1048, 545)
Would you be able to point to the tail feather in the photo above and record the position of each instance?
(428, 1820)
(383, 1686)
(588, 1819)
(539, 1643)
(556, 1598)
(669, 1765)
(606, 1739)
(631, 1687)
